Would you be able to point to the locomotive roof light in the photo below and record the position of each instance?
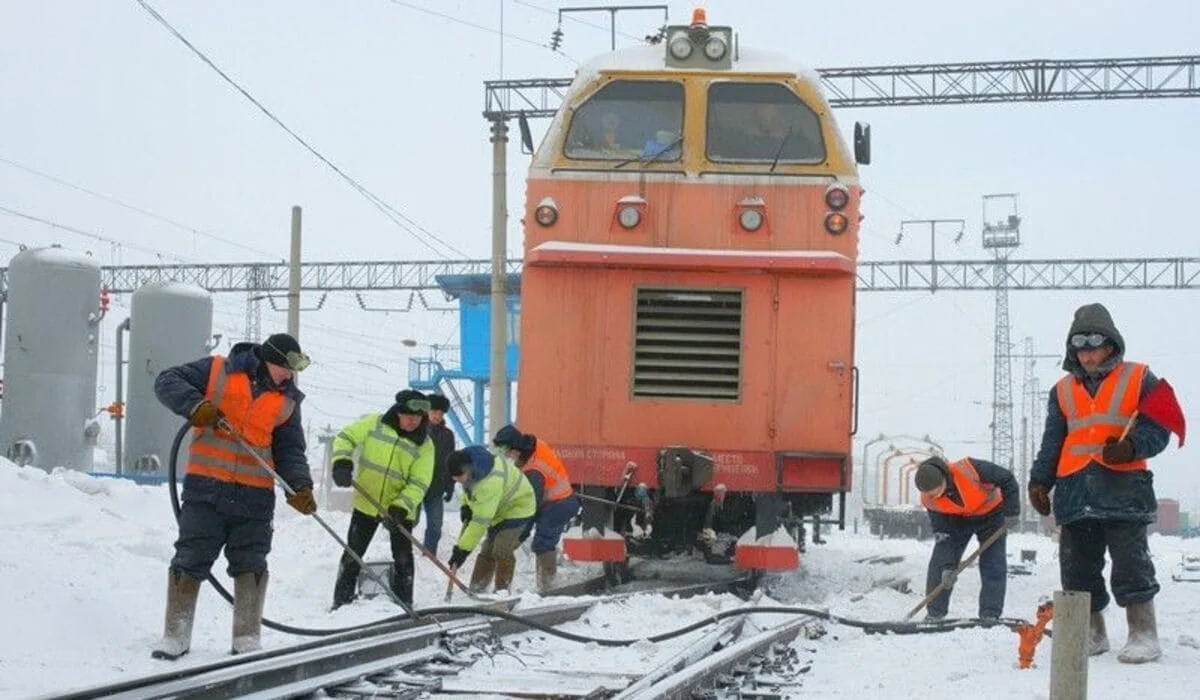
(715, 48)
(680, 46)
(699, 17)
(546, 213)
(837, 196)
(629, 216)
(836, 223)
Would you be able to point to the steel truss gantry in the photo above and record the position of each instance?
(873, 275)
(930, 84)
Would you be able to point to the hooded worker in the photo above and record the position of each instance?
(498, 502)
(1094, 456)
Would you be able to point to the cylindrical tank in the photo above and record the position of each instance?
(50, 359)
(170, 323)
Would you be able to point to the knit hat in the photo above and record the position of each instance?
(930, 474)
(283, 350)
(437, 402)
(411, 402)
(509, 437)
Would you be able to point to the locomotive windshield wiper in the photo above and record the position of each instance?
(646, 159)
(779, 151)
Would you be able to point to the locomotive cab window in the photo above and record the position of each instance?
(688, 344)
(761, 123)
(628, 119)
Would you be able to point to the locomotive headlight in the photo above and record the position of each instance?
(836, 222)
(629, 217)
(837, 197)
(715, 48)
(680, 46)
(751, 219)
(546, 213)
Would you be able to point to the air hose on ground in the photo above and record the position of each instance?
(870, 627)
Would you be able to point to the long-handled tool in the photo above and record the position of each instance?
(262, 464)
(611, 504)
(961, 567)
(391, 523)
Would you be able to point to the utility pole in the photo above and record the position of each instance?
(498, 366)
(933, 224)
(293, 317)
(1002, 236)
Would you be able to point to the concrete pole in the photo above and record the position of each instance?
(498, 376)
(293, 318)
(1069, 645)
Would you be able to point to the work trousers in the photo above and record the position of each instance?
(1081, 546)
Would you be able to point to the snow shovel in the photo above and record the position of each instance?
(391, 523)
(961, 567)
(224, 425)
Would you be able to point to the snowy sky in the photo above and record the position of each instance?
(100, 96)
(84, 593)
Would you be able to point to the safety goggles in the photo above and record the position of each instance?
(416, 406)
(296, 361)
(1080, 341)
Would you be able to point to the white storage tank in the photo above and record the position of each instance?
(50, 359)
(170, 323)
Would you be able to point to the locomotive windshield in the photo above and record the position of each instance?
(761, 122)
(628, 119)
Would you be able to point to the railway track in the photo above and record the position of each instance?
(391, 660)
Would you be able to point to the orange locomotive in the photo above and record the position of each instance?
(687, 303)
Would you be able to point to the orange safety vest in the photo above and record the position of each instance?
(216, 454)
(978, 498)
(556, 483)
(1090, 420)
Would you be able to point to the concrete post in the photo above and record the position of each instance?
(1069, 645)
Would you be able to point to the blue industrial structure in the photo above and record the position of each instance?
(475, 308)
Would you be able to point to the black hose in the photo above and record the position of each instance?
(945, 625)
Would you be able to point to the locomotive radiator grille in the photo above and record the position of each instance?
(688, 344)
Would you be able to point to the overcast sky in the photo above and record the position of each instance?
(99, 95)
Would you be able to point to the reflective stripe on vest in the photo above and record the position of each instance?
(217, 454)
(553, 487)
(978, 498)
(1091, 420)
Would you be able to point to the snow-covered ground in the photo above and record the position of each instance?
(83, 568)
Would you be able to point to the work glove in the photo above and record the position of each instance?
(458, 557)
(1039, 498)
(303, 501)
(400, 517)
(1012, 523)
(205, 415)
(343, 472)
(1117, 451)
(448, 495)
(465, 514)
(707, 535)
(948, 579)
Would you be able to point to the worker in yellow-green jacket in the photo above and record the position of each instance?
(497, 500)
(395, 466)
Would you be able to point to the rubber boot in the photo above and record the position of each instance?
(402, 585)
(481, 575)
(344, 589)
(505, 566)
(1097, 635)
(249, 594)
(547, 567)
(1142, 645)
(182, 592)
